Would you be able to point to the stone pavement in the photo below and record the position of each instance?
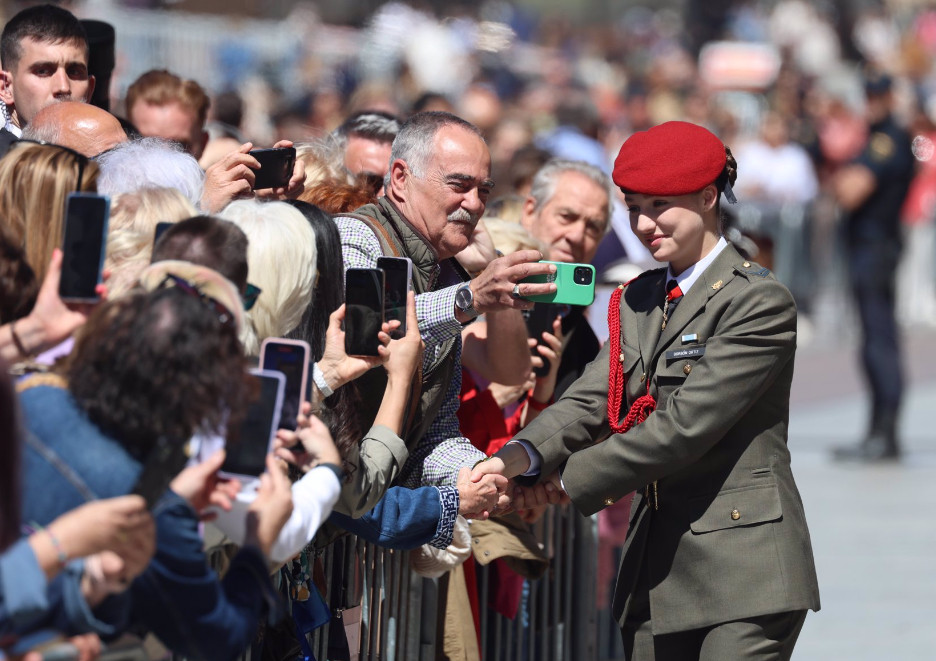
(873, 527)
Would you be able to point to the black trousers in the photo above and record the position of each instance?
(872, 270)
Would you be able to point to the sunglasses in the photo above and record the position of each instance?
(79, 157)
(224, 315)
(250, 296)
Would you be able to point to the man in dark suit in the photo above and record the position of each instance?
(43, 60)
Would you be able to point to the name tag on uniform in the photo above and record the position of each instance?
(691, 352)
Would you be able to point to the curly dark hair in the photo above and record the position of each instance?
(158, 365)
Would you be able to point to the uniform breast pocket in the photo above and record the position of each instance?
(675, 366)
(733, 508)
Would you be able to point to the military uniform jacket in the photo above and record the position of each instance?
(725, 537)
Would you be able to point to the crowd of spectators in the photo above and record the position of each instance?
(476, 147)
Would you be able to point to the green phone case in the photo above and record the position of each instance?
(568, 291)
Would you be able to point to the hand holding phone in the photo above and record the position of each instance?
(398, 276)
(276, 167)
(539, 320)
(291, 358)
(364, 315)
(575, 284)
(246, 453)
(83, 246)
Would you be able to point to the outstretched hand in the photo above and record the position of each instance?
(483, 498)
(493, 288)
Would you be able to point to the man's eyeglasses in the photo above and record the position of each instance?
(79, 157)
(225, 316)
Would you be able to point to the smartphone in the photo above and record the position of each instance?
(291, 359)
(575, 284)
(538, 320)
(364, 311)
(160, 230)
(398, 274)
(84, 245)
(165, 460)
(246, 453)
(276, 166)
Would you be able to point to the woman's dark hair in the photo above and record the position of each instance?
(9, 461)
(18, 285)
(213, 242)
(158, 364)
(338, 412)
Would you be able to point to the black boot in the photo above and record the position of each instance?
(879, 445)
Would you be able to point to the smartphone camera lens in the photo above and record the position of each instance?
(582, 275)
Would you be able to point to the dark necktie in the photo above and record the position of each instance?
(673, 296)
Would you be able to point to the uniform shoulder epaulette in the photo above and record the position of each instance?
(752, 269)
(643, 275)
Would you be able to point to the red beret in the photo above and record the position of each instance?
(674, 158)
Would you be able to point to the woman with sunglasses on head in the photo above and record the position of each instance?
(687, 405)
(158, 365)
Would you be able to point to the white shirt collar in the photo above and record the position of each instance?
(687, 278)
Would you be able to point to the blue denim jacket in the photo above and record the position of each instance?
(68, 461)
(406, 518)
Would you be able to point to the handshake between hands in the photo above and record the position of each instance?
(489, 489)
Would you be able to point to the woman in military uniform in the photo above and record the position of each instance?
(687, 405)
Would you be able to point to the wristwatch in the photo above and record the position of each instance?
(464, 300)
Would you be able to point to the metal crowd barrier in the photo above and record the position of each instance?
(402, 614)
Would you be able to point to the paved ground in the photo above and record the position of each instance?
(873, 527)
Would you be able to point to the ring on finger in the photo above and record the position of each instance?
(516, 291)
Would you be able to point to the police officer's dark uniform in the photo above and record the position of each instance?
(872, 239)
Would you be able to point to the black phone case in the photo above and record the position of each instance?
(276, 166)
(165, 460)
(363, 318)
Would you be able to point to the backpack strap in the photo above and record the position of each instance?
(387, 246)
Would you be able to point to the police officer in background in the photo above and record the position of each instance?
(871, 192)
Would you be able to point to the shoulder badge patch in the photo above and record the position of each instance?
(752, 269)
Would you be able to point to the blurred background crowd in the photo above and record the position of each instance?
(782, 79)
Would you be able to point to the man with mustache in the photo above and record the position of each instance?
(436, 189)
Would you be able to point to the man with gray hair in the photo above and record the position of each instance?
(365, 139)
(150, 163)
(436, 191)
(569, 210)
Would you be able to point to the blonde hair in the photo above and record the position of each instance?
(324, 161)
(133, 222)
(35, 180)
(509, 236)
(281, 261)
